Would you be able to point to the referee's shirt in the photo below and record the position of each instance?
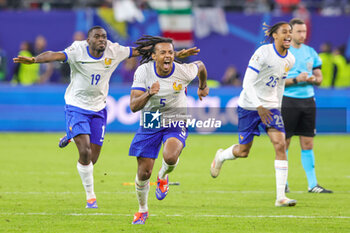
(306, 60)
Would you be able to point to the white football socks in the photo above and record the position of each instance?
(281, 167)
(227, 154)
(166, 168)
(142, 190)
(87, 178)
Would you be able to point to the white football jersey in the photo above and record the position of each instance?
(90, 76)
(171, 100)
(272, 69)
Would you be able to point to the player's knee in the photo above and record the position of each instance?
(243, 153)
(170, 157)
(85, 151)
(145, 174)
(280, 145)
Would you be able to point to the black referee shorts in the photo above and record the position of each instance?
(299, 116)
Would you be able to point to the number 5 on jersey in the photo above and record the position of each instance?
(95, 79)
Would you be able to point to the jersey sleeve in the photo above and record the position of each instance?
(317, 59)
(71, 52)
(190, 71)
(139, 79)
(257, 61)
(122, 52)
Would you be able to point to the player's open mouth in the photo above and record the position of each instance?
(167, 65)
(287, 41)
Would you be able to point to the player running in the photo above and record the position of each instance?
(92, 63)
(259, 104)
(158, 91)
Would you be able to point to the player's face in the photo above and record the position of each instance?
(299, 33)
(98, 40)
(283, 36)
(164, 56)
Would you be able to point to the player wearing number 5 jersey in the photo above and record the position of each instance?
(259, 105)
(158, 91)
(92, 63)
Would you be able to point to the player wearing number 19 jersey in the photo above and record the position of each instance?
(259, 105)
(92, 63)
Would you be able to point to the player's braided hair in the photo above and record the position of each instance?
(146, 45)
(269, 30)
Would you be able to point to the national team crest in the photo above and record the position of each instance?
(177, 87)
(108, 61)
(286, 68)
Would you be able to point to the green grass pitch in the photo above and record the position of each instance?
(41, 191)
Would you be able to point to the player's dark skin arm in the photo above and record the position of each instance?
(138, 99)
(179, 54)
(203, 90)
(44, 57)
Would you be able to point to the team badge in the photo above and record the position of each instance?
(286, 68)
(177, 87)
(108, 61)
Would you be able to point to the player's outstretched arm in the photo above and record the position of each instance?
(179, 54)
(138, 99)
(203, 89)
(48, 56)
(187, 52)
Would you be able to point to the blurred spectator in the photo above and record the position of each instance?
(287, 6)
(231, 77)
(327, 64)
(128, 69)
(64, 67)
(45, 69)
(79, 36)
(26, 74)
(3, 65)
(341, 77)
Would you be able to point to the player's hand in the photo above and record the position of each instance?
(203, 93)
(187, 52)
(302, 77)
(154, 88)
(265, 115)
(24, 60)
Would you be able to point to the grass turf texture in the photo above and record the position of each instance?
(41, 191)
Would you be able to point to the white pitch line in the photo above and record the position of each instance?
(173, 191)
(183, 216)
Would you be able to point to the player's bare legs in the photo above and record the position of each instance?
(85, 168)
(144, 172)
(281, 167)
(95, 152)
(233, 152)
(171, 152)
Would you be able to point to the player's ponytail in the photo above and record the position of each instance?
(269, 30)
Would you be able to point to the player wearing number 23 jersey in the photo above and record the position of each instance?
(263, 85)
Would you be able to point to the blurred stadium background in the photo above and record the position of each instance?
(227, 32)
